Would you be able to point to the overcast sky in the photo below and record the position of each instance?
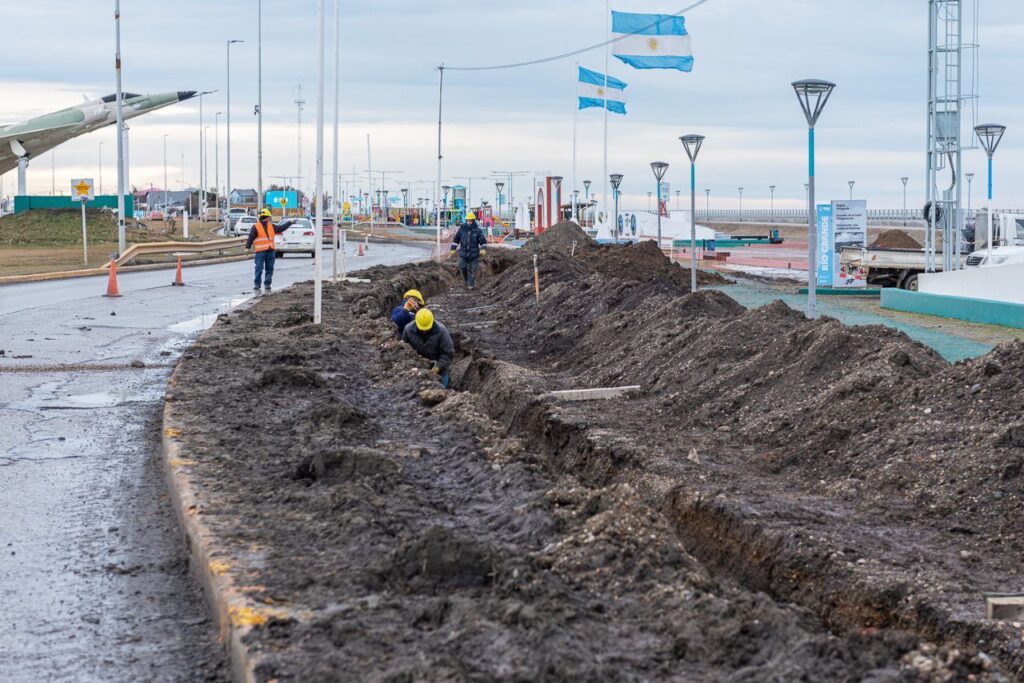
(747, 52)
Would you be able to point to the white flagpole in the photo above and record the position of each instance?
(575, 108)
(607, 32)
(319, 228)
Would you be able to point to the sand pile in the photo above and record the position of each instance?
(894, 239)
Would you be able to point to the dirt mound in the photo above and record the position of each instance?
(894, 239)
(561, 238)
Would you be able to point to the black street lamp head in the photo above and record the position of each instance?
(659, 168)
(990, 134)
(557, 180)
(692, 145)
(586, 184)
(616, 180)
(772, 188)
(904, 179)
(813, 95)
(499, 186)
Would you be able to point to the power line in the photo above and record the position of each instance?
(569, 54)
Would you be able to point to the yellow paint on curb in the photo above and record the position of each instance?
(172, 432)
(181, 462)
(219, 566)
(248, 616)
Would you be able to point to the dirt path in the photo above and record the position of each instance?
(773, 505)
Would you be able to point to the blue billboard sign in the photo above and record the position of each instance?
(825, 246)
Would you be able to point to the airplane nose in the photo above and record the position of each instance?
(186, 95)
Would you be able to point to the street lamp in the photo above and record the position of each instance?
(444, 204)
(851, 183)
(228, 204)
(649, 202)
(904, 180)
(677, 199)
(707, 203)
(405, 204)
(498, 186)
(165, 176)
(216, 157)
(990, 135)
(101, 166)
(659, 168)
(771, 188)
(741, 203)
(692, 144)
(813, 95)
(586, 191)
(616, 180)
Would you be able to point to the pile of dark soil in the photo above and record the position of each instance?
(563, 238)
(784, 499)
(895, 239)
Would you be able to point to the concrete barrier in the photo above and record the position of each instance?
(956, 307)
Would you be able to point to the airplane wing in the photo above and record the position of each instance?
(37, 136)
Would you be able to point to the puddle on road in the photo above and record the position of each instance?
(92, 401)
(204, 321)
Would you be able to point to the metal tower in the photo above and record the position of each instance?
(952, 113)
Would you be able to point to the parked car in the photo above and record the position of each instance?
(328, 236)
(232, 218)
(242, 226)
(295, 236)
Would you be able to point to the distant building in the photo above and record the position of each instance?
(247, 198)
(157, 198)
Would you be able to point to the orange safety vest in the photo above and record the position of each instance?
(264, 237)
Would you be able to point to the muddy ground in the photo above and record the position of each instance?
(784, 499)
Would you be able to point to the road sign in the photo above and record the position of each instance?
(82, 189)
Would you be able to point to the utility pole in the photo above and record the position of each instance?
(228, 203)
(119, 100)
(299, 103)
(216, 158)
(259, 105)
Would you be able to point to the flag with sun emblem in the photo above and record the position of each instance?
(597, 90)
(652, 41)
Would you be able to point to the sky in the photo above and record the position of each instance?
(747, 52)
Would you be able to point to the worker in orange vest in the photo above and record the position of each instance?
(261, 239)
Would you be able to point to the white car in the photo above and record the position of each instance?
(1000, 256)
(295, 236)
(243, 226)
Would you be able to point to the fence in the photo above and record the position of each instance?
(895, 217)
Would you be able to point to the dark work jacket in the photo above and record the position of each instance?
(435, 344)
(401, 317)
(468, 240)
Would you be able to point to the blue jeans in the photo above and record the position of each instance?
(468, 268)
(264, 261)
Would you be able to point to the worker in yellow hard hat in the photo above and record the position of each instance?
(405, 312)
(469, 241)
(261, 238)
(431, 339)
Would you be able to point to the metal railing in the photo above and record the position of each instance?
(152, 248)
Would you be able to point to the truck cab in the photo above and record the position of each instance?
(1001, 256)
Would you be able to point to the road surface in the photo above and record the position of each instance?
(93, 578)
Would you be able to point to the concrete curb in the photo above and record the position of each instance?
(234, 614)
(91, 272)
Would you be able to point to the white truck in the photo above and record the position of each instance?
(886, 267)
(1007, 242)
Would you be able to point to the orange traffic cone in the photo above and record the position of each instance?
(112, 281)
(177, 277)
(360, 249)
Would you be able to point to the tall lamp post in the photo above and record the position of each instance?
(707, 204)
(165, 176)
(970, 177)
(990, 135)
(616, 180)
(498, 186)
(904, 180)
(659, 168)
(813, 95)
(228, 193)
(100, 156)
(741, 203)
(692, 144)
(771, 188)
(851, 183)
(444, 205)
(649, 202)
(216, 157)
(586, 192)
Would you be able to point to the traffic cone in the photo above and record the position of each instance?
(112, 281)
(177, 277)
(360, 249)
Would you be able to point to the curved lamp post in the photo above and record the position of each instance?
(990, 135)
(659, 168)
(813, 95)
(616, 180)
(904, 180)
(692, 144)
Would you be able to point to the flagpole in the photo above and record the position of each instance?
(575, 108)
(607, 29)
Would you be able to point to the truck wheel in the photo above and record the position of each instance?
(910, 282)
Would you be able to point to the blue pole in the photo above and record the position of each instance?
(812, 219)
(990, 178)
(658, 211)
(693, 226)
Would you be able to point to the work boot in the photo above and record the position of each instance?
(256, 291)
(266, 290)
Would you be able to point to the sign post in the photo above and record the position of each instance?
(82, 190)
(850, 229)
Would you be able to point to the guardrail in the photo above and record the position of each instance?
(153, 248)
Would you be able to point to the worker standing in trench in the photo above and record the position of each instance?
(261, 238)
(433, 341)
(405, 312)
(470, 242)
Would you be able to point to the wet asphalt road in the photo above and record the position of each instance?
(94, 585)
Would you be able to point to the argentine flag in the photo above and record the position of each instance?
(652, 41)
(593, 93)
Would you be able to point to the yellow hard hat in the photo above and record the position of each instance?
(470, 216)
(265, 212)
(424, 320)
(415, 294)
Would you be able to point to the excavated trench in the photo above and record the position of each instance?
(763, 508)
